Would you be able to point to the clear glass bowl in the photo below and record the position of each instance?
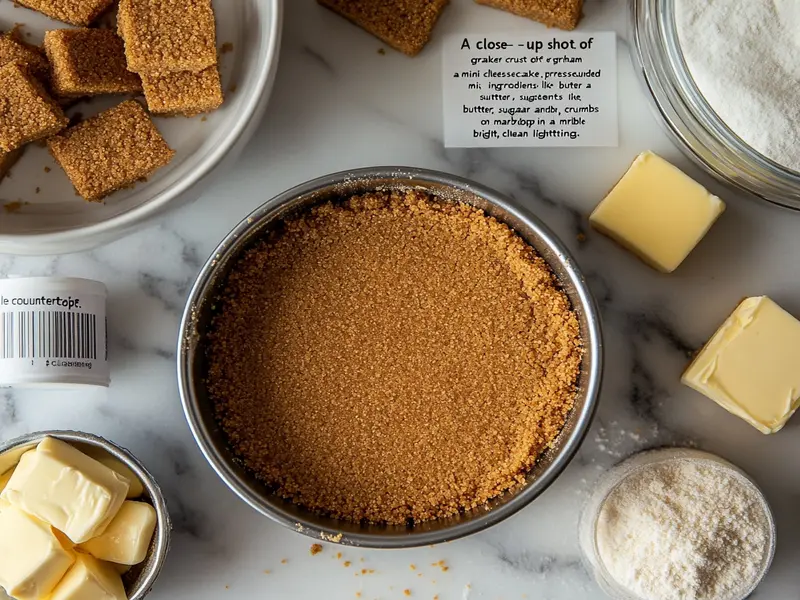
(689, 119)
(587, 526)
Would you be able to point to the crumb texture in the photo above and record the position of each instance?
(406, 25)
(8, 160)
(27, 113)
(13, 48)
(110, 151)
(88, 62)
(392, 357)
(564, 14)
(163, 36)
(183, 93)
(75, 12)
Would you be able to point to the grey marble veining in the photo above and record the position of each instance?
(340, 104)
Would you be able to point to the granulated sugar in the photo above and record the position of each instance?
(684, 530)
(743, 57)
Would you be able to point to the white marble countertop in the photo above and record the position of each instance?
(340, 104)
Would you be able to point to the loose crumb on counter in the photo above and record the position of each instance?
(479, 356)
(315, 549)
(442, 565)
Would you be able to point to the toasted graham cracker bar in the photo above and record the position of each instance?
(27, 112)
(88, 62)
(110, 151)
(7, 160)
(406, 25)
(183, 93)
(563, 14)
(163, 36)
(75, 12)
(13, 48)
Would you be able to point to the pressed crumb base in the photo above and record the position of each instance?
(392, 358)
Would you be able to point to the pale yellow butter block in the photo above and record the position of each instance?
(65, 488)
(657, 212)
(127, 538)
(4, 479)
(103, 457)
(10, 459)
(121, 569)
(32, 560)
(89, 579)
(751, 366)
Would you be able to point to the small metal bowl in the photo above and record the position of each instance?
(199, 311)
(140, 579)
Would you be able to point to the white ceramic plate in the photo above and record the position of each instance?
(43, 215)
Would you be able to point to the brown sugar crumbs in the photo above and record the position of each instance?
(315, 549)
(392, 358)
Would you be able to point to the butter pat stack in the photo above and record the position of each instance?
(751, 366)
(67, 531)
(657, 212)
(89, 578)
(33, 559)
(127, 538)
(173, 49)
(62, 486)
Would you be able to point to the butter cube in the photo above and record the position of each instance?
(10, 459)
(65, 488)
(751, 366)
(127, 538)
(89, 579)
(657, 212)
(103, 457)
(32, 560)
(4, 479)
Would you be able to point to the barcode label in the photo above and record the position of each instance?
(48, 334)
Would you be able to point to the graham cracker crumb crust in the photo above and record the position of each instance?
(393, 357)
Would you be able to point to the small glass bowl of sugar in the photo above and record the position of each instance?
(677, 524)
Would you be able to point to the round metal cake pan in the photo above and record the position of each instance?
(199, 310)
(140, 579)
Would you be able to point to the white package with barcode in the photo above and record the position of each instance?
(53, 332)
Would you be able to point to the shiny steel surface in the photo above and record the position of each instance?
(140, 579)
(198, 313)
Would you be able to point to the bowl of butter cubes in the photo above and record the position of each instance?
(80, 517)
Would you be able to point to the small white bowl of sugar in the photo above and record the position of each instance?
(677, 524)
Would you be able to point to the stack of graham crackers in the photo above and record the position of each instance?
(167, 50)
